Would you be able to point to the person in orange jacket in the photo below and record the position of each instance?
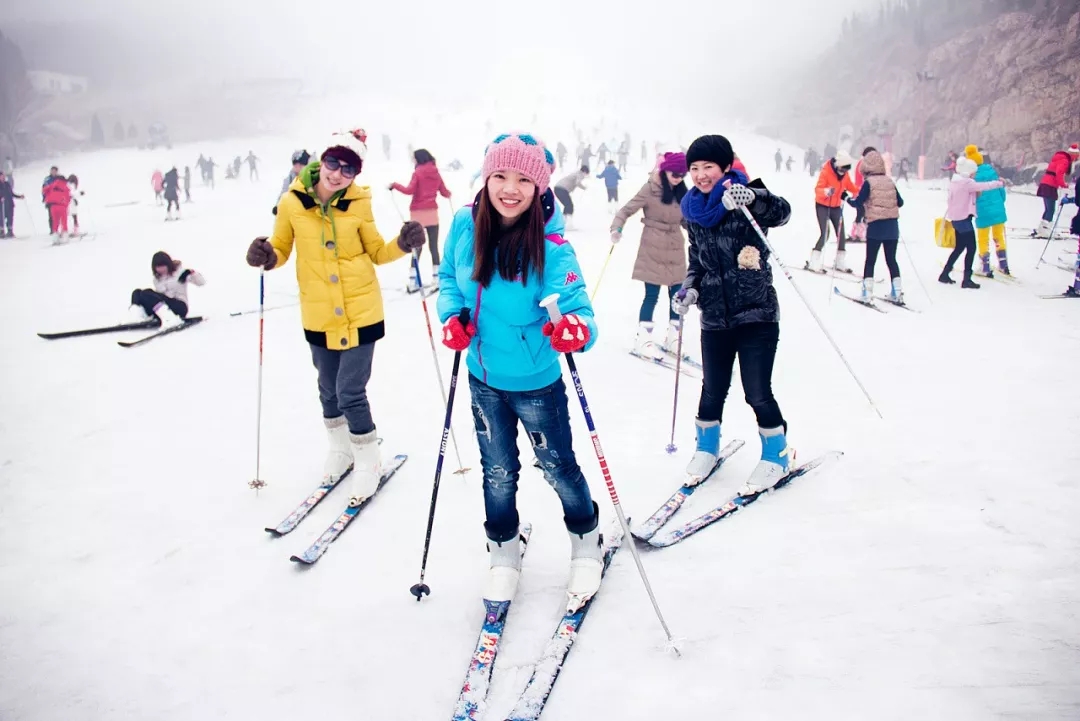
(833, 185)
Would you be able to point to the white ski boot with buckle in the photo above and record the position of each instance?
(707, 453)
(586, 567)
(840, 262)
(367, 467)
(815, 262)
(671, 339)
(167, 317)
(643, 342)
(505, 569)
(339, 458)
(774, 463)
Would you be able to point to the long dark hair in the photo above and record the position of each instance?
(162, 258)
(512, 251)
(671, 194)
(422, 156)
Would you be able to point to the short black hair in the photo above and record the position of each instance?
(868, 149)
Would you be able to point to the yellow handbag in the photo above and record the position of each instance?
(944, 235)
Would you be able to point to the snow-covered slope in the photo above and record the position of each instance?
(929, 574)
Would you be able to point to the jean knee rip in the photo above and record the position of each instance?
(483, 428)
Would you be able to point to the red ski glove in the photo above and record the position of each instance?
(569, 335)
(456, 336)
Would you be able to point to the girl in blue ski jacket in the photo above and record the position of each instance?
(502, 257)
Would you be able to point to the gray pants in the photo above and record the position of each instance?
(343, 378)
(826, 215)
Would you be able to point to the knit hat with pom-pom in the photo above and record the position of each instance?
(971, 152)
(521, 153)
(348, 146)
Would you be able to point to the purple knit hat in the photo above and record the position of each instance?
(674, 163)
(522, 153)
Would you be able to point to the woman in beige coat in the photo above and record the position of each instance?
(661, 258)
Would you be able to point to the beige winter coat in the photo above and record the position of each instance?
(661, 258)
(882, 203)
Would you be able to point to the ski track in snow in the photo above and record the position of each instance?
(931, 573)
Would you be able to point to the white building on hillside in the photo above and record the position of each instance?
(46, 82)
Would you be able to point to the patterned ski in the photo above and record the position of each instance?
(146, 324)
(315, 551)
(864, 303)
(663, 514)
(531, 702)
(293, 519)
(474, 691)
(735, 504)
(195, 320)
(663, 363)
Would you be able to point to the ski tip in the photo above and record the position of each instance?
(303, 562)
(275, 533)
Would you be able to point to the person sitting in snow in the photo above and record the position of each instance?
(167, 301)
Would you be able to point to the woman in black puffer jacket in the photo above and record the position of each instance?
(730, 280)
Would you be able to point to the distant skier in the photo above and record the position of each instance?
(611, 177)
(879, 203)
(602, 154)
(210, 165)
(905, 168)
(567, 185)
(157, 182)
(949, 168)
(644, 152)
(187, 183)
(623, 155)
(7, 206)
(560, 154)
(832, 185)
(57, 195)
(9, 168)
(1057, 176)
(172, 193)
(779, 158)
(253, 165)
(202, 164)
(586, 157)
(788, 163)
(73, 209)
(386, 145)
(960, 212)
(236, 163)
(425, 186)
(807, 166)
(990, 215)
(300, 160)
(168, 300)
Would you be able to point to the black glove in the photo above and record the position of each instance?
(261, 253)
(411, 236)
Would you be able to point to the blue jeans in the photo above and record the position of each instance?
(1049, 206)
(648, 305)
(544, 415)
(343, 379)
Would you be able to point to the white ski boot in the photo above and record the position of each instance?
(1044, 229)
(708, 450)
(867, 291)
(367, 467)
(671, 340)
(643, 342)
(505, 570)
(897, 294)
(411, 285)
(840, 263)
(339, 458)
(586, 567)
(137, 314)
(774, 463)
(815, 263)
(167, 317)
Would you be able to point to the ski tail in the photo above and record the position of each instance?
(188, 323)
(141, 325)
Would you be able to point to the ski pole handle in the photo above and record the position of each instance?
(551, 305)
(463, 317)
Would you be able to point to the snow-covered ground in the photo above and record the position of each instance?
(931, 573)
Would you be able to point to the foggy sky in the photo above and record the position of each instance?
(687, 51)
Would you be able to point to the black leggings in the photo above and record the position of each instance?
(613, 195)
(149, 299)
(173, 200)
(825, 215)
(872, 247)
(564, 197)
(965, 240)
(433, 243)
(755, 345)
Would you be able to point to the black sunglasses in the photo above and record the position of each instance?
(678, 176)
(331, 163)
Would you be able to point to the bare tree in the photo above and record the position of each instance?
(16, 95)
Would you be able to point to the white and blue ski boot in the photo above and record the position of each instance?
(897, 294)
(867, 292)
(505, 569)
(708, 450)
(774, 462)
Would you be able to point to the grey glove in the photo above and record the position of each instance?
(411, 236)
(737, 196)
(683, 300)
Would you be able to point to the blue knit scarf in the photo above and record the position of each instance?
(707, 210)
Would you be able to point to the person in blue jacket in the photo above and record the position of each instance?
(990, 215)
(503, 255)
(611, 177)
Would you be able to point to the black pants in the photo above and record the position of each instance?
(187, 193)
(7, 214)
(173, 200)
(433, 243)
(755, 346)
(564, 197)
(825, 215)
(613, 195)
(872, 247)
(148, 299)
(965, 240)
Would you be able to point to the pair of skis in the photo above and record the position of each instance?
(871, 304)
(141, 325)
(652, 530)
(472, 701)
(316, 550)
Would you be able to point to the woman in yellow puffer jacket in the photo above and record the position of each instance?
(329, 221)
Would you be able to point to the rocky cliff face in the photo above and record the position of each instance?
(1011, 86)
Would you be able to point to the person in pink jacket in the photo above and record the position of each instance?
(962, 193)
(158, 181)
(425, 187)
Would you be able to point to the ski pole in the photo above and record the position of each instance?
(462, 470)
(396, 208)
(671, 448)
(821, 325)
(421, 589)
(1051, 236)
(551, 305)
(915, 270)
(600, 277)
(29, 216)
(257, 482)
(260, 309)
